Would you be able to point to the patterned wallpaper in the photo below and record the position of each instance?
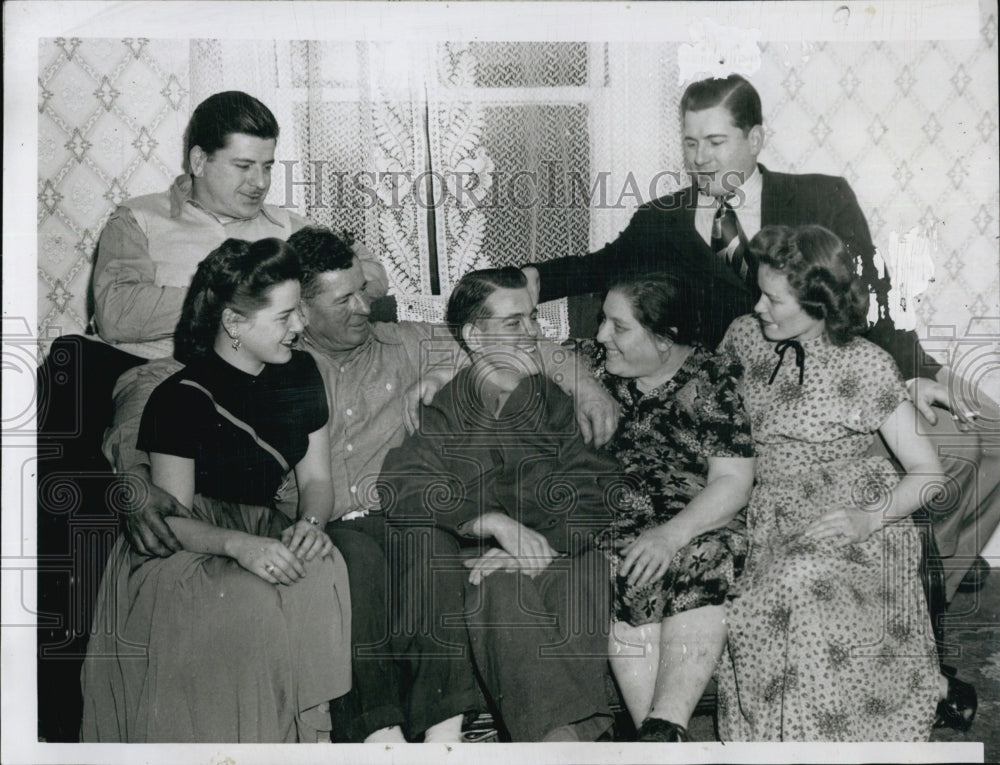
(111, 114)
(912, 125)
(913, 128)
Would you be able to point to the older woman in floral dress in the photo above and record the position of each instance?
(678, 542)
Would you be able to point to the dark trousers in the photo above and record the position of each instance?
(375, 699)
(431, 636)
(541, 646)
(410, 655)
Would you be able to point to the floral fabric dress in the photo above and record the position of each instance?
(825, 643)
(663, 443)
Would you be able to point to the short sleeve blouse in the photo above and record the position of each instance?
(283, 405)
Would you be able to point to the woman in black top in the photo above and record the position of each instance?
(244, 635)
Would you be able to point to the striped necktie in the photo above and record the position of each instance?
(726, 228)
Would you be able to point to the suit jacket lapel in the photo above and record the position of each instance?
(688, 210)
(697, 249)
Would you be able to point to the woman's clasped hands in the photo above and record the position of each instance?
(282, 561)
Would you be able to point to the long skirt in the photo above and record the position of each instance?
(195, 648)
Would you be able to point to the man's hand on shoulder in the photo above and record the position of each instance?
(423, 392)
(597, 412)
(534, 282)
(146, 507)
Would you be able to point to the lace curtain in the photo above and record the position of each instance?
(444, 157)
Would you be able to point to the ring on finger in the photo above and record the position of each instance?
(269, 568)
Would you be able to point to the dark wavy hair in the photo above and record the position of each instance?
(467, 303)
(321, 250)
(222, 114)
(661, 306)
(734, 92)
(237, 275)
(821, 275)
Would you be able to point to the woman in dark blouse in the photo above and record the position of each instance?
(678, 540)
(243, 636)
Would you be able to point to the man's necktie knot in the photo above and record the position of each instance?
(724, 225)
(725, 229)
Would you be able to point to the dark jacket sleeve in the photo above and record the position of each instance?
(573, 497)
(848, 222)
(643, 247)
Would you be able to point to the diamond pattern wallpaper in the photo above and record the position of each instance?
(912, 125)
(913, 128)
(111, 114)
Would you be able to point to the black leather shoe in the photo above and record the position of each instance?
(975, 577)
(958, 709)
(655, 729)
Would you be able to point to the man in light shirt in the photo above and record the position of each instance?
(151, 245)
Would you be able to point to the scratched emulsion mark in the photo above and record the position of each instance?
(718, 51)
(909, 264)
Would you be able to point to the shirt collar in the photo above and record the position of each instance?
(181, 193)
(750, 191)
(379, 335)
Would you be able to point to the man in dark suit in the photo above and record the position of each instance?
(699, 234)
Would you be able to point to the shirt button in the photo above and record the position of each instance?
(342, 369)
(354, 490)
(388, 386)
(349, 412)
(350, 447)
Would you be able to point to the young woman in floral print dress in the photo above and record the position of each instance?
(829, 635)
